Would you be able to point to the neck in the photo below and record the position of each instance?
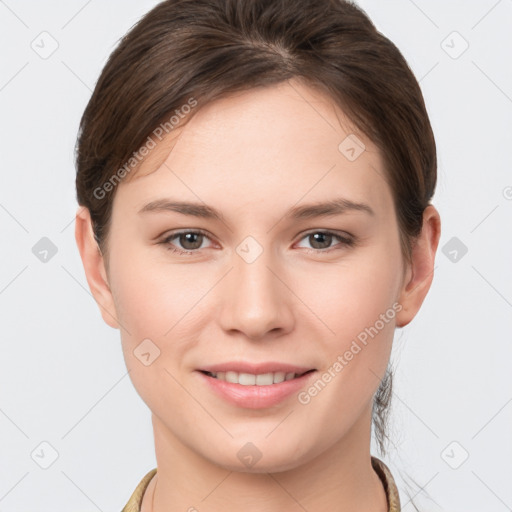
(339, 479)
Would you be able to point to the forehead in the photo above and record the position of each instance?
(287, 140)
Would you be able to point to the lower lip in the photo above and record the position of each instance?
(256, 397)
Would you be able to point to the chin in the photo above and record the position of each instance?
(263, 461)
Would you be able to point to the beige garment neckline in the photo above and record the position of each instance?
(393, 497)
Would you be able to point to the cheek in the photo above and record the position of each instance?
(352, 296)
(150, 297)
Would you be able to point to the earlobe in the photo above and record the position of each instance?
(94, 267)
(421, 271)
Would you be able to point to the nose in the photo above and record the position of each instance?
(256, 298)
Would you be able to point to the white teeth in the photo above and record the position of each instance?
(279, 377)
(264, 379)
(246, 379)
(232, 377)
(249, 379)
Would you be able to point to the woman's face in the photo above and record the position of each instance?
(273, 284)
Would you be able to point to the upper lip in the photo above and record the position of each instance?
(255, 368)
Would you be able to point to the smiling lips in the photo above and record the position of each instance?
(255, 385)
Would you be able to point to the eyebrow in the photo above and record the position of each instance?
(332, 207)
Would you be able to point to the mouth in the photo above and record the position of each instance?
(251, 385)
(251, 379)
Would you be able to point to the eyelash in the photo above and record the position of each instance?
(345, 241)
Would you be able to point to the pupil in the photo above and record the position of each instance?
(321, 235)
(188, 237)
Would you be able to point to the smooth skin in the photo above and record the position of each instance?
(253, 156)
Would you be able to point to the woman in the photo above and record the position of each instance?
(255, 181)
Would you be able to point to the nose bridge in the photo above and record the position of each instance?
(256, 302)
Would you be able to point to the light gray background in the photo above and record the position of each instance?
(62, 375)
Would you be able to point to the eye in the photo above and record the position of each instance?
(322, 240)
(191, 241)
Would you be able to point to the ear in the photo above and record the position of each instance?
(94, 266)
(420, 272)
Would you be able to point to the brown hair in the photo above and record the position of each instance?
(207, 49)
